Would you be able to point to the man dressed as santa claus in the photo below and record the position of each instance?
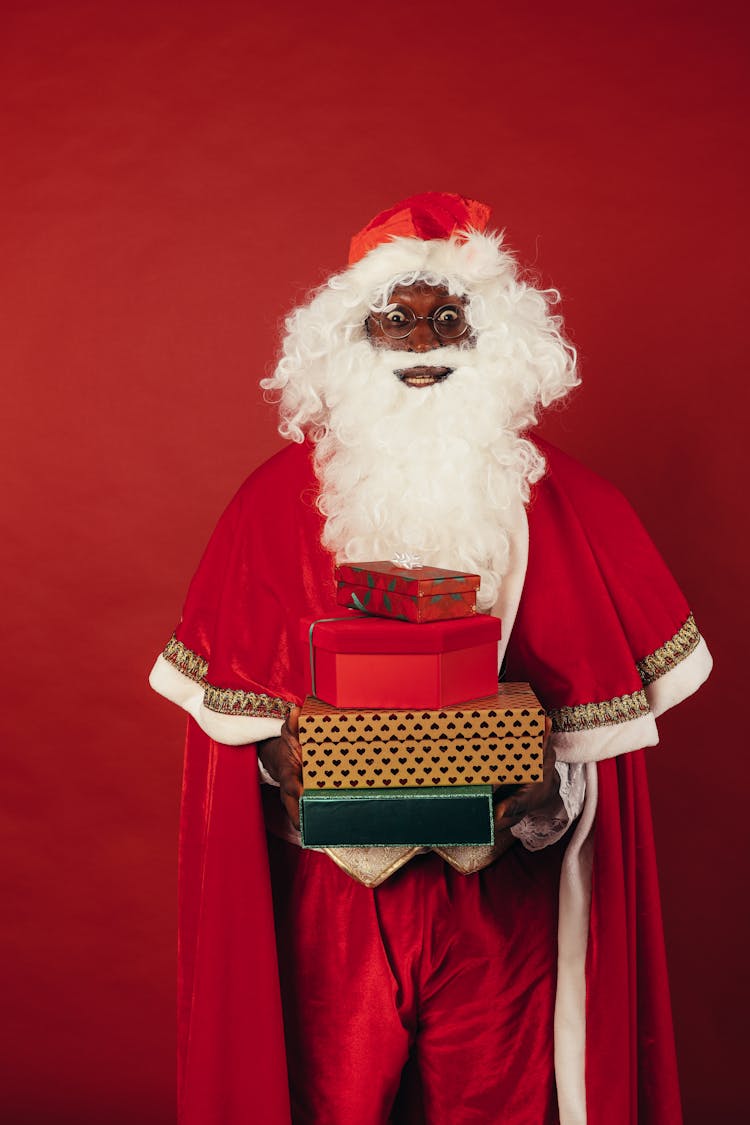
(521, 983)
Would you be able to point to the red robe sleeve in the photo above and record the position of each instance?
(236, 655)
(603, 632)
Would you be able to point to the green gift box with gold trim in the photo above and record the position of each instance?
(383, 817)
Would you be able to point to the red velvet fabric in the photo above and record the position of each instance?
(457, 972)
(597, 599)
(631, 1064)
(231, 1063)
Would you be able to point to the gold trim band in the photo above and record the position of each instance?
(588, 716)
(669, 655)
(225, 701)
(233, 701)
(185, 660)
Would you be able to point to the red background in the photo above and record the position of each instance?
(176, 175)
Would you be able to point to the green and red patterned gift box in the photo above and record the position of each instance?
(419, 594)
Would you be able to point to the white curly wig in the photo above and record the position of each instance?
(512, 322)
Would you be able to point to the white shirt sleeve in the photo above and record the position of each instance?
(538, 830)
(263, 773)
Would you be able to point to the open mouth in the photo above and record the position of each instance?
(423, 376)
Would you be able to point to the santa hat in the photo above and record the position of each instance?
(431, 215)
(438, 233)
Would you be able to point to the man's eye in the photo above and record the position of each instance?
(448, 315)
(396, 316)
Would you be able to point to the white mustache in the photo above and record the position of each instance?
(449, 356)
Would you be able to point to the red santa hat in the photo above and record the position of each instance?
(431, 215)
(441, 234)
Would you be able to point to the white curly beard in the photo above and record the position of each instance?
(437, 471)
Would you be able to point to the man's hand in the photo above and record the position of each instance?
(514, 802)
(282, 757)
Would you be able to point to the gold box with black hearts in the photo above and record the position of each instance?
(497, 740)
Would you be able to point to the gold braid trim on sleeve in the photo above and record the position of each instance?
(588, 716)
(185, 660)
(670, 654)
(225, 701)
(233, 701)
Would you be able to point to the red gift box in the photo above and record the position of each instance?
(372, 662)
(423, 593)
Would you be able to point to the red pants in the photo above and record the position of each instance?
(455, 972)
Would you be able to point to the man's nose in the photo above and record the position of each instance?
(423, 337)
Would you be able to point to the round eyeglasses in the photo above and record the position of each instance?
(399, 321)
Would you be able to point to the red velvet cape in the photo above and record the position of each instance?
(600, 618)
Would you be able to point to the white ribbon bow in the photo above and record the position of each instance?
(406, 560)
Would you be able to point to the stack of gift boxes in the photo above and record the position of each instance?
(406, 732)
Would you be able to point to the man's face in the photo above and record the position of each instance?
(440, 321)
